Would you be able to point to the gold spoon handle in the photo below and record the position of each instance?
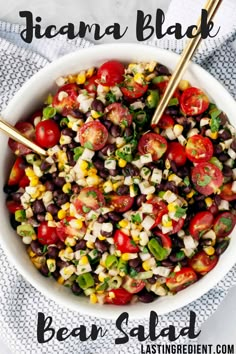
(211, 7)
(16, 135)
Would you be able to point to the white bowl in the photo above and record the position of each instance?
(27, 99)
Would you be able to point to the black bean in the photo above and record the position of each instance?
(99, 164)
(227, 171)
(44, 270)
(176, 258)
(107, 123)
(233, 145)
(172, 111)
(101, 219)
(113, 173)
(53, 209)
(52, 252)
(167, 264)
(101, 246)
(205, 242)
(45, 165)
(80, 245)
(187, 189)
(50, 186)
(106, 233)
(223, 118)
(199, 197)
(114, 216)
(223, 157)
(198, 118)
(184, 262)
(16, 196)
(59, 181)
(103, 174)
(38, 207)
(123, 190)
(72, 145)
(61, 198)
(36, 247)
(217, 199)
(68, 132)
(9, 189)
(40, 217)
(98, 106)
(151, 165)
(225, 134)
(141, 199)
(76, 289)
(70, 157)
(218, 149)
(57, 117)
(130, 170)
(54, 175)
(182, 120)
(13, 222)
(106, 217)
(60, 245)
(115, 131)
(56, 274)
(146, 297)
(162, 70)
(183, 171)
(62, 264)
(77, 113)
(108, 149)
(128, 132)
(133, 263)
(152, 280)
(221, 247)
(177, 242)
(173, 166)
(171, 187)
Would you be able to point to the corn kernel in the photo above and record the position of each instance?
(29, 172)
(183, 85)
(95, 114)
(69, 241)
(71, 79)
(51, 263)
(93, 180)
(30, 252)
(60, 280)
(83, 260)
(90, 244)
(146, 265)
(111, 295)
(171, 207)
(89, 73)
(34, 181)
(41, 188)
(66, 188)
(79, 224)
(149, 196)
(167, 223)
(101, 238)
(35, 195)
(81, 78)
(208, 202)
(106, 89)
(125, 257)
(135, 239)
(65, 206)
(48, 217)
(139, 78)
(122, 163)
(123, 223)
(190, 194)
(209, 250)
(70, 125)
(214, 135)
(116, 185)
(178, 129)
(101, 278)
(92, 172)
(107, 186)
(61, 214)
(93, 299)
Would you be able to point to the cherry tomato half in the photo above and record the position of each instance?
(118, 114)
(89, 198)
(28, 131)
(132, 285)
(121, 203)
(165, 239)
(64, 229)
(47, 133)
(13, 206)
(46, 234)
(162, 87)
(154, 144)
(124, 243)
(93, 135)
(224, 224)
(165, 122)
(207, 178)
(122, 297)
(176, 153)
(181, 280)
(202, 221)
(66, 104)
(227, 193)
(111, 73)
(202, 263)
(132, 89)
(193, 101)
(17, 172)
(24, 182)
(199, 148)
(91, 84)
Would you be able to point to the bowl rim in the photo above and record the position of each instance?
(111, 312)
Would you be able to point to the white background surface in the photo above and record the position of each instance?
(220, 328)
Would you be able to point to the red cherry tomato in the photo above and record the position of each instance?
(118, 114)
(199, 148)
(207, 178)
(13, 206)
(162, 87)
(91, 84)
(193, 101)
(68, 103)
(121, 203)
(47, 235)
(224, 224)
(93, 135)
(227, 193)
(89, 198)
(165, 122)
(111, 73)
(202, 263)
(154, 144)
(37, 114)
(47, 133)
(132, 285)
(132, 89)
(120, 297)
(201, 222)
(64, 229)
(24, 182)
(157, 205)
(16, 172)
(181, 280)
(176, 153)
(165, 239)
(124, 243)
(28, 131)
(159, 217)
(177, 226)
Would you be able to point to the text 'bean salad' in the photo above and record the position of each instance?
(115, 214)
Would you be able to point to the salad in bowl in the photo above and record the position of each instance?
(116, 212)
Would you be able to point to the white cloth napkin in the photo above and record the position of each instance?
(19, 301)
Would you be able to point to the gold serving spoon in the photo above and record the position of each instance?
(211, 7)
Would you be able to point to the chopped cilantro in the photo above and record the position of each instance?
(110, 97)
(215, 123)
(180, 212)
(78, 151)
(88, 145)
(133, 272)
(136, 218)
(45, 248)
(132, 243)
(186, 181)
(145, 250)
(85, 209)
(124, 123)
(179, 255)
